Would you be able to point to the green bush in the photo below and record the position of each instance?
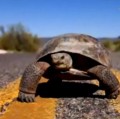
(113, 45)
(117, 44)
(18, 39)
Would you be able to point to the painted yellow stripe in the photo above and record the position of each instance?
(116, 102)
(8, 93)
(43, 108)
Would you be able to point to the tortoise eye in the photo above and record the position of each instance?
(63, 57)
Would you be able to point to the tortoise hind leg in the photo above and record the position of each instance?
(108, 79)
(30, 79)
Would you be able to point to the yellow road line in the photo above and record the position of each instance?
(116, 102)
(43, 108)
(8, 93)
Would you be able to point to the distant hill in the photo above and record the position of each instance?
(109, 38)
(45, 39)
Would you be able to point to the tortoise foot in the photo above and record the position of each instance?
(24, 97)
(114, 94)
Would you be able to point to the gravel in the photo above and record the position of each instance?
(88, 108)
(85, 108)
(12, 67)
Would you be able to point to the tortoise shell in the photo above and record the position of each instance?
(80, 44)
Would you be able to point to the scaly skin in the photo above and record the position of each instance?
(32, 74)
(108, 79)
(30, 79)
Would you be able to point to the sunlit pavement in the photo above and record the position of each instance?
(43, 108)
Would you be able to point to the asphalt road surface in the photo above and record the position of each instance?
(69, 107)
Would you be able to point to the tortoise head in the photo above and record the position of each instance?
(61, 61)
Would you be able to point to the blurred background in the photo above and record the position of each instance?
(27, 24)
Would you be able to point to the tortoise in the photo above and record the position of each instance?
(77, 54)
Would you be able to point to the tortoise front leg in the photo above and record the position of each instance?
(30, 79)
(108, 79)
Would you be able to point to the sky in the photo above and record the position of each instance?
(47, 18)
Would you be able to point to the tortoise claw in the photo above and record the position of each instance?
(24, 97)
(113, 95)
